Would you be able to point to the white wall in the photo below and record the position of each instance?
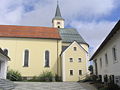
(3, 69)
(113, 68)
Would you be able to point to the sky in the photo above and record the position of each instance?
(93, 19)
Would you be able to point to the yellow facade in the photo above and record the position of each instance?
(75, 65)
(36, 47)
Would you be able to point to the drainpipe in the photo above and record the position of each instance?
(57, 57)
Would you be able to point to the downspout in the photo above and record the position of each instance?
(57, 57)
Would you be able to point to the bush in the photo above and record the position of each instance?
(57, 78)
(110, 87)
(92, 78)
(14, 75)
(34, 79)
(46, 77)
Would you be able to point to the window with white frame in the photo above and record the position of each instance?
(71, 59)
(101, 62)
(79, 60)
(106, 59)
(80, 72)
(71, 72)
(26, 58)
(114, 54)
(47, 58)
(75, 48)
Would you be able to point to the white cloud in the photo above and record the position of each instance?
(93, 32)
(44, 10)
(70, 9)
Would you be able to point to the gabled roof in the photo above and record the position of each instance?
(67, 47)
(69, 35)
(29, 32)
(110, 35)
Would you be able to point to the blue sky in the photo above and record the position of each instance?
(93, 19)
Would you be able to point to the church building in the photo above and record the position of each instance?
(35, 49)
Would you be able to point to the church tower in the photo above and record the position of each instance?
(58, 21)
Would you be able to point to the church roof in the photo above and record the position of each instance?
(29, 32)
(58, 14)
(69, 35)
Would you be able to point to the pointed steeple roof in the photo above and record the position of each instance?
(58, 15)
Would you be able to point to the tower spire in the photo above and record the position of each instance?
(58, 21)
(58, 13)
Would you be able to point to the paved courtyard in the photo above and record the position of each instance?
(52, 86)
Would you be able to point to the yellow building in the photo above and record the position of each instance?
(36, 49)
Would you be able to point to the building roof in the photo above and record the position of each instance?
(70, 35)
(2, 52)
(64, 48)
(58, 14)
(110, 35)
(29, 32)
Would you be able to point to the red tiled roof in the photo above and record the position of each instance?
(29, 32)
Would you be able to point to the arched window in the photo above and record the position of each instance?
(26, 58)
(47, 56)
(5, 51)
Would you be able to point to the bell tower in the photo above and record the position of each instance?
(58, 21)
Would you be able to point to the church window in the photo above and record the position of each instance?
(47, 56)
(5, 51)
(26, 58)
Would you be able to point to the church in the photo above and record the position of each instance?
(34, 49)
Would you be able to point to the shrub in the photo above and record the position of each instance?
(14, 75)
(45, 77)
(113, 87)
(57, 78)
(110, 87)
(34, 79)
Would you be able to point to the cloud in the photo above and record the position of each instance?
(94, 32)
(40, 12)
(70, 9)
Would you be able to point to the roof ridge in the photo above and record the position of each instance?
(28, 26)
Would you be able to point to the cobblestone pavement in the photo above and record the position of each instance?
(50, 86)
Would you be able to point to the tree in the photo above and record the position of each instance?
(90, 68)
